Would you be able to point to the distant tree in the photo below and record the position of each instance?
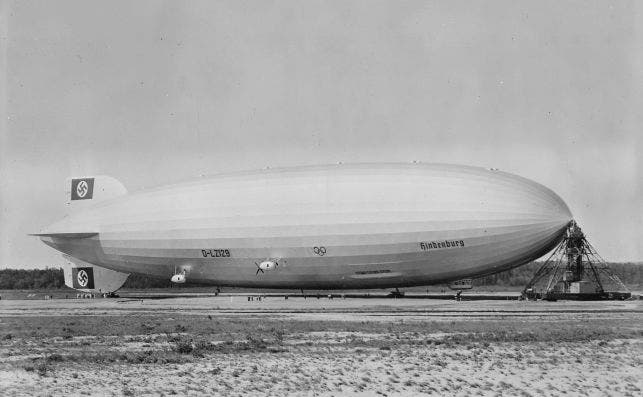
(49, 278)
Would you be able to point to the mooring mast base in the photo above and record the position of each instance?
(575, 271)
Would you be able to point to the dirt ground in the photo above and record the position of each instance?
(319, 347)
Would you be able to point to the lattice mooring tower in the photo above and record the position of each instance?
(575, 271)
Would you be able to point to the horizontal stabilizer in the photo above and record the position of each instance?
(65, 235)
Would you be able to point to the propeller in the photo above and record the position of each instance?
(259, 269)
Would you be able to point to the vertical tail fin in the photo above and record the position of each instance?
(82, 191)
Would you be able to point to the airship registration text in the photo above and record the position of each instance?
(215, 253)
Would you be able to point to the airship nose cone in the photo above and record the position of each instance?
(562, 211)
(496, 198)
(542, 202)
(547, 204)
(538, 212)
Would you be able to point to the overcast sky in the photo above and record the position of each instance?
(158, 92)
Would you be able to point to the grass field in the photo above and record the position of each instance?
(173, 351)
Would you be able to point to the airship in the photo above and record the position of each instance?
(340, 226)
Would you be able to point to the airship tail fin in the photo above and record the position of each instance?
(87, 277)
(86, 190)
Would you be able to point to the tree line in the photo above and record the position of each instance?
(52, 278)
(631, 274)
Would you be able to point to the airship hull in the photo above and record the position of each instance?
(326, 227)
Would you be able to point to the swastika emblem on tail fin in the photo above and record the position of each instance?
(82, 188)
(83, 277)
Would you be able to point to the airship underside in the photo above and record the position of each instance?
(323, 227)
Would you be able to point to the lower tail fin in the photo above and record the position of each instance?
(87, 277)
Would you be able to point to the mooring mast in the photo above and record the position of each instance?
(575, 271)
